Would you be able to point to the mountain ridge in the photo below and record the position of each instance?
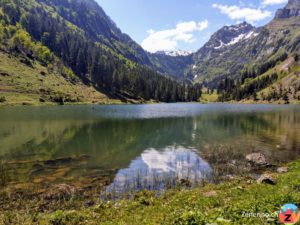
(92, 48)
(175, 53)
(292, 9)
(272, 68)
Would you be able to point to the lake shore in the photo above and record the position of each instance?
(107, 101)
(36, 102)
(56, 162)
(234, 201)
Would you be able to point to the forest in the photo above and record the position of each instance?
(252, 80)
(33, 30)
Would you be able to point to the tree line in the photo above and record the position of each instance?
(250, 81)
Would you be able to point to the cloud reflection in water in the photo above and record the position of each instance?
(159, 170)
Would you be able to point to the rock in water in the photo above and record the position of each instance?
(266, 179)
(258, 159)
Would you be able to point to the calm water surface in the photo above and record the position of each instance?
(135, 147)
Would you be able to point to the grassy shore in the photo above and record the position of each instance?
(230, 202)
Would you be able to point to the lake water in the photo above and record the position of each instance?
(135, 147)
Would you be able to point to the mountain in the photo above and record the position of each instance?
(292, 9)
(227, 36)
(260, 66)
(88, 16)
(216, 57)
(78, 40)
(233, 48)
(99, 27)
(175, 53)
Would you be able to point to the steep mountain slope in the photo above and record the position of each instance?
(91, 18)
(268, 58)
(242, 51)
(287, 88)
(80, 36)
(219, 56)
(292, 9)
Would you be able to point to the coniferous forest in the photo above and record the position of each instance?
(38, 33)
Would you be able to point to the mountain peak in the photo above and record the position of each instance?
(230, 35)
(292, 9)
(174, 53)
(89, 3)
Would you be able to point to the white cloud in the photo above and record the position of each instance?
(168, 39)
(273, 2)
(250, 15)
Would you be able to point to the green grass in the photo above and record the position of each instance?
(206, 98)
(183, 207)
(22, 84)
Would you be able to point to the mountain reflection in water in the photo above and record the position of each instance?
(159, 170)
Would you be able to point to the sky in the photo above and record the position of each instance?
(184, 24)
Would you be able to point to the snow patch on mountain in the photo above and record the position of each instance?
(237, 39)
(175, 53)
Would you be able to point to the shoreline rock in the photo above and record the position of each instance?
(282, 170)
(257, 159)
(266, 179)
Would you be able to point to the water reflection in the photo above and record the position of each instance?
(98, 141)
(159, 170)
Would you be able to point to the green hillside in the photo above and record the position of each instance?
(55, 34)
(252, 69)
(37, 84)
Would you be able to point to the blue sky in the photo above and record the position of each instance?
(184, 24)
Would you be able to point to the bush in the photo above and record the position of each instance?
(2, 99)
(59, 98)
(63, 218)
(190, 218)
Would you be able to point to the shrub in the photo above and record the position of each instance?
(59, 98)
(190, 218)
(2, 99)
(63, 218)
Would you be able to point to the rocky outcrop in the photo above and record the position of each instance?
(291, 10)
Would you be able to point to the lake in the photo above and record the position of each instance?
(135, 147)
